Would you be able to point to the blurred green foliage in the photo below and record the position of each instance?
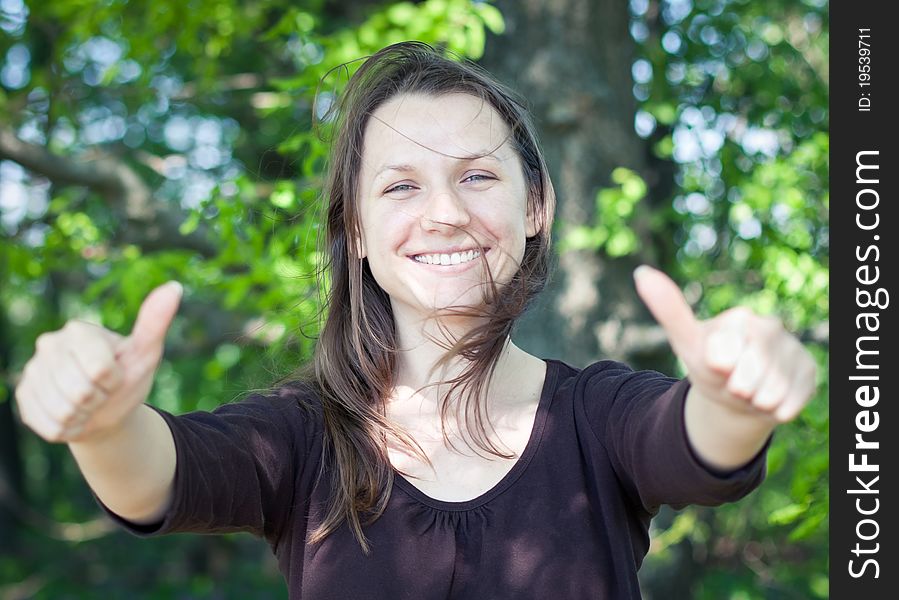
(216, 105)
(615, 206)
(735, 95)
(212, 104)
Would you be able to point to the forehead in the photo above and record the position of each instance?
(450, 125)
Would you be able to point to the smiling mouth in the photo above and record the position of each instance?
(453, 258)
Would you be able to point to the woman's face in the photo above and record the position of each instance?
(438, 171)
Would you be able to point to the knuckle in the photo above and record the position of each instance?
(44, 341)
(57, 411)
(54, 432)
(28, 371)
(736, 389)
(772, 324)
(80, 325)
(768, 407)
(22, 390)
(782, 418)
(741, 312)
(769, 402)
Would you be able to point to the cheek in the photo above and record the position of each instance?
(384, 231)
(507, 221)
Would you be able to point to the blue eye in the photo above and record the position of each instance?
(403, 187)
(478, 177)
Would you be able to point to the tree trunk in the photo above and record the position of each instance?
(572, 60)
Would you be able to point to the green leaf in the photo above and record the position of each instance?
(491, 17)
(580, 238)
(476, 40)
(284, 195)
(190, 224)
(402, 13)
(787, 514)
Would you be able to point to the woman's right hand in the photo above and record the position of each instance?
(84, 381)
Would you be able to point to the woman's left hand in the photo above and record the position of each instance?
(737, 359)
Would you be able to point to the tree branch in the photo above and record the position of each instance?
(147, 222)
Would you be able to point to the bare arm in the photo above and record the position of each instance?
(131, 469)
(747, 373)
(722, 437)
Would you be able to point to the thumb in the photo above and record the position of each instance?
(669, 307)
(155, 317)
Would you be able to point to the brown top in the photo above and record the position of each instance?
(569, 520)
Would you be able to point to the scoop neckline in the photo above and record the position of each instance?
(512, 474)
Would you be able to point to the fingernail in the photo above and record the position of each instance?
(783, 415)
(723, 349)
(738, 384)
(176, 285)
(642, 271)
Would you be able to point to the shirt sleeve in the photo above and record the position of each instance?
(237, 467)
(638, 418)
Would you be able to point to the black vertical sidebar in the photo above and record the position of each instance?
(864, 421)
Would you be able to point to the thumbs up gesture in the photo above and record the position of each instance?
(739, 360)
(84, 380)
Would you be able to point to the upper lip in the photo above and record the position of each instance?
(450, 250)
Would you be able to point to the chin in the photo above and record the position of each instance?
(473, 299)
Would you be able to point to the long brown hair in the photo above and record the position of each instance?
(354, 362)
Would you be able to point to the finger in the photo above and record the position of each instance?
(669, 307)
(153, 320)
(51, 396)
(747, 374)
(772, 393)
(93, 350)
(24, 399)
(778, 378)
(73, 387)
(727, 341)
(800, 392)
(97, 363)
(33, 413)
(762, 339)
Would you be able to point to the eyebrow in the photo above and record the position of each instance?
(407, 168)
(401, 168)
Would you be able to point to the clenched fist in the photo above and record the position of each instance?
(737, 359)
(84, 380)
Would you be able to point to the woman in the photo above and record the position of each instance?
(422, 454)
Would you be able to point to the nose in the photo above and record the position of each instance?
(444, 211)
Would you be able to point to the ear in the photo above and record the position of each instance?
(359, 240)
(541, 220)
(531, 227)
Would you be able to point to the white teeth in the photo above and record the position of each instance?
(447, 259)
